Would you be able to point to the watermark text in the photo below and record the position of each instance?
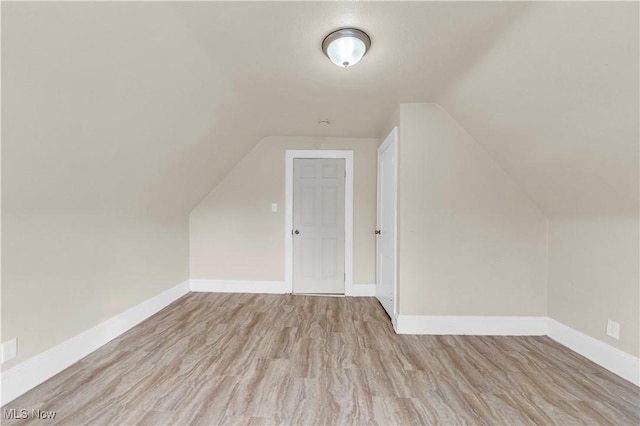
(24, 414)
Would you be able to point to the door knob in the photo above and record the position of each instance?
(377, 232)
(296, 232)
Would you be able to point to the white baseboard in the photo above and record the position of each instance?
(230, 286)
(269, 287)
(471, 325)
(32, 372)
(619, 362)
(360, 290)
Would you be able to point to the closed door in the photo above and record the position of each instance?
(318, 226)
(386, 232)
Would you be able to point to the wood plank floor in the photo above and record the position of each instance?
(280, 359)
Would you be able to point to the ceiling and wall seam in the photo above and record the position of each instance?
(503, 32)
(498, 163)
(555, 101)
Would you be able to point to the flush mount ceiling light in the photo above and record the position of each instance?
(346, 47)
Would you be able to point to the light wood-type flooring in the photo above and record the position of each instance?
(281, 359)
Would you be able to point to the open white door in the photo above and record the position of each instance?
(386, 247)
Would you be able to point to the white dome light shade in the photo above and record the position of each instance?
(346, 47)
(346, 51)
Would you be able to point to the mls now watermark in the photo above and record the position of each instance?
(23, 414)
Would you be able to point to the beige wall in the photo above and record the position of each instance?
(470, 241)
(593, 276)
(235, 236)
(566, 126)
(393, 121)
(66, 271)
(97, 165)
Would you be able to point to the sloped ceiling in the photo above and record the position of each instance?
(556, 100)
(147, 105)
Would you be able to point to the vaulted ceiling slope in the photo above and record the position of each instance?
(556, 100)
(147, 105)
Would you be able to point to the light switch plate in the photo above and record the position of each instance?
(274, 207)
(613, 329)
(9, 349)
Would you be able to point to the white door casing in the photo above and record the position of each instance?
(290, 156)
(318, 223)
(386, 241)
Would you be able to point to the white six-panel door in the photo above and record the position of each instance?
(319, 226)
(386, 231)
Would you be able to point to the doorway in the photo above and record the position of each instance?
(319, 221)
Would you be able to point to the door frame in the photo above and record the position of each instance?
(291, 155)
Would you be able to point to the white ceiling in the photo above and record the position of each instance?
(148, 105)
(269, 54)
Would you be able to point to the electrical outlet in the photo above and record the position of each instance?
(9, 349)
(274, 207)
(613, 329)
